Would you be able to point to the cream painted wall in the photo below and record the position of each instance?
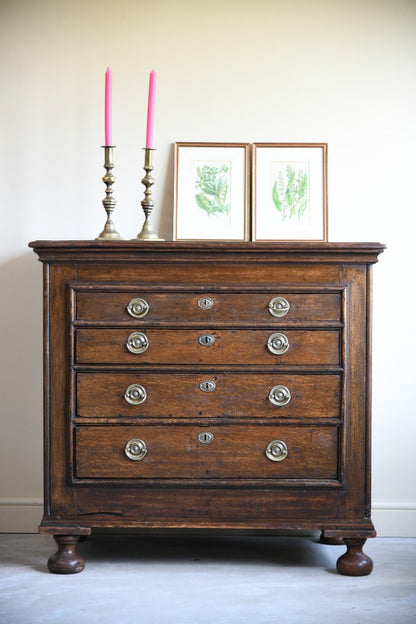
(271, 70)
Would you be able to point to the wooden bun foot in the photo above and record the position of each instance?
(354, 562)
(66, 560)
(332, 541)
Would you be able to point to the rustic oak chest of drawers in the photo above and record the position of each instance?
(207, 386)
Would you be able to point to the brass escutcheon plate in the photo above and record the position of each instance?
(205, 303)
(206, 340)
(205, 437)
(208, 385)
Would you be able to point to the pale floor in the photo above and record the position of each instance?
(206, 580)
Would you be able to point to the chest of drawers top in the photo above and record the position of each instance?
(130, 251)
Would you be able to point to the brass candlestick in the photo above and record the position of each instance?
(147, 203)
(109, 202)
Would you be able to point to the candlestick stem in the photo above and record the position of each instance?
(109, 202)
(147, 232)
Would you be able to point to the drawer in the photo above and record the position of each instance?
(200, 307)
(191, 346)
(207, 395)
(235, 452)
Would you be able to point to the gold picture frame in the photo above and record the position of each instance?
(290, 192)
(212, 191)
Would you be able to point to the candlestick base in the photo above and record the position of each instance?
(109, 202)
(147, 232)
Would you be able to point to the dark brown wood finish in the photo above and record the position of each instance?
(182, 482)
(181, 346)
(102, 396)
(237, 452)
(229, 308)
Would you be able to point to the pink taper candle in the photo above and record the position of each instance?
(108, 107)
(151, 109)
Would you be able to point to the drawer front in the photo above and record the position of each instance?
(165, 307)
(209, 395)
(242, 347)
(235, 452)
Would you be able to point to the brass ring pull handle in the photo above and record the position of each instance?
(137, 342)
(279, 306)
(135, 394)
(278, 344)
(135, 449)
(280, 395)
(138, 307)
(276, 450)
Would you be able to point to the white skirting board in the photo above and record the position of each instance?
(391, 518)
(394, 518)
(20, 515)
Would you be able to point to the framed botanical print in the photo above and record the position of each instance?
(211, 191)
(290, 191)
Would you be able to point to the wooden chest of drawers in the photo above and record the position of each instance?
(207, 386)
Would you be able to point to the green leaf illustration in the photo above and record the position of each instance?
(208, 189)
(222, 188)
(213, 189)
(203, 202)
(276, 198)
(290, 193)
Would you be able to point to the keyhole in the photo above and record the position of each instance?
(206, 340)
(207, 386)
(205, 303)
(205, 437)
